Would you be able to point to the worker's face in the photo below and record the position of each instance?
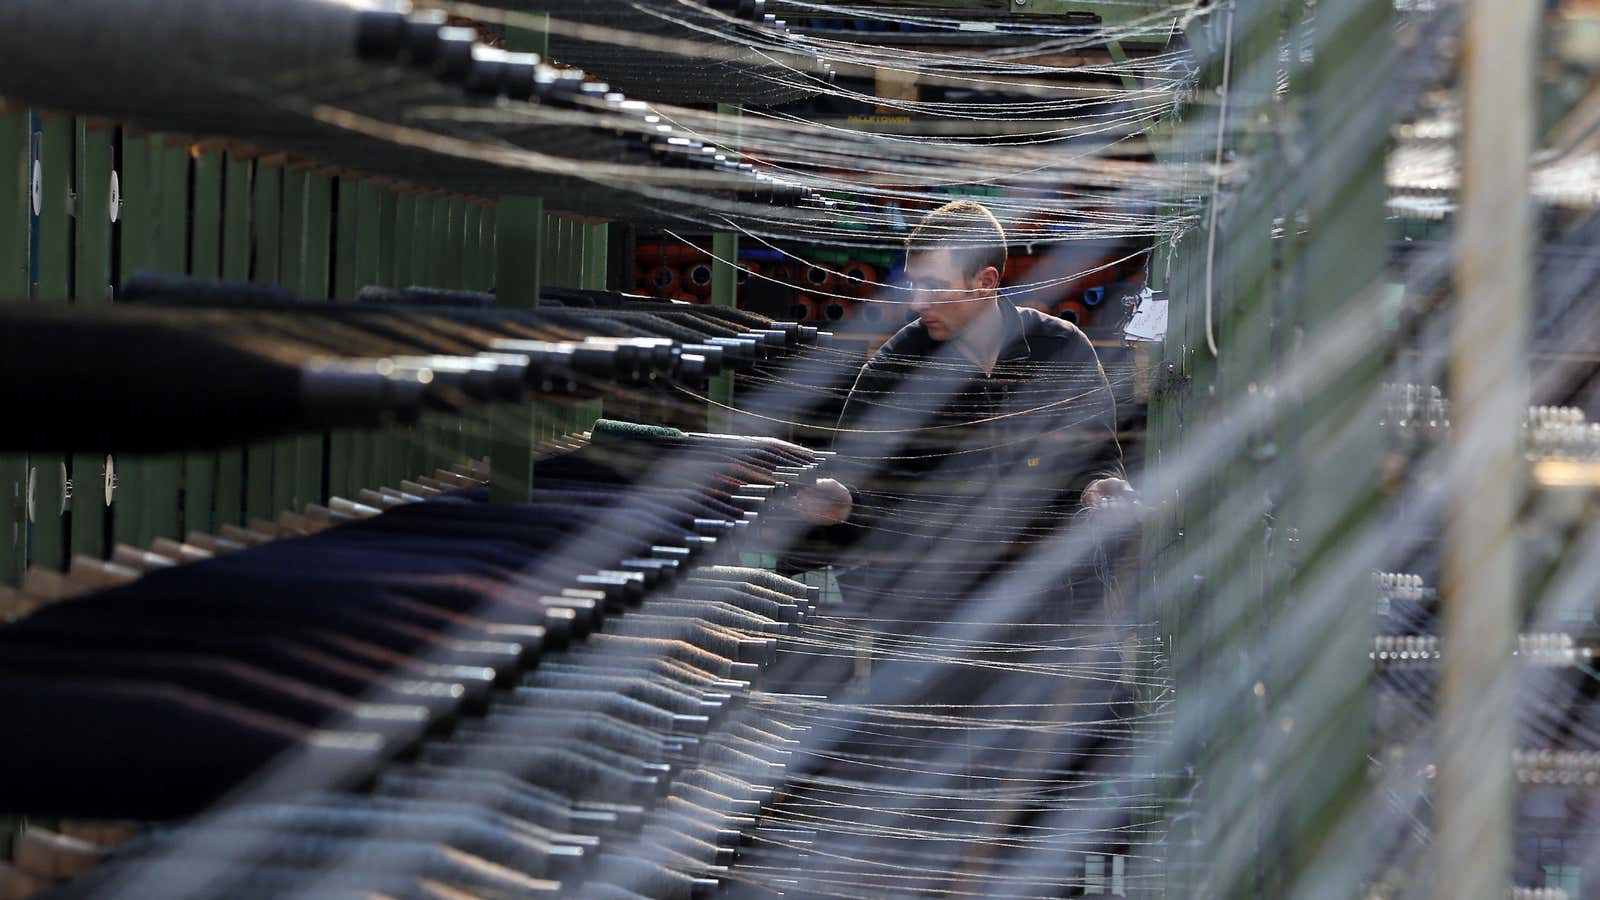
(946, 299)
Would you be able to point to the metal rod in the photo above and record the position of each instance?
(1488, 388)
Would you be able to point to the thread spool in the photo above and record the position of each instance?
(747, 269)
(1073, 311)
(663, 280)
(1019, 270)
(669, 255)
(782, 273)
(859, 279)
(804, 309)
(820, 279)
(837, 310)
(697, 279)
(1034, 300)
(875, 312)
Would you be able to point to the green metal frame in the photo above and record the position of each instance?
(344, 444)
(1269, 522)
(95, 167)
(201, 471)
(237, 231)
(519, 239)
(52, 283)
(16, 209)
(724, 292)
(265, 224)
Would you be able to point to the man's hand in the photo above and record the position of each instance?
(825, 503)
(1104, 493)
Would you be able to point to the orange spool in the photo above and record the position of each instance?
(663, 280)
(668, 254)
(1035, 300)
(783, 273)
(820, 279)
(879, 313)
(697, 279)
(804, 309)
(1019, 270)
(837, 309)
(1073, 311)
(747, 269)
(860, 279)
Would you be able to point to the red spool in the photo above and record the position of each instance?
(783, 273)
(663, 281)
(697, 279)
(860, 279)
(878, 312)
(668, 254)
(837, 309)
(1019, 270)
(820, 279)
(747, 269)
(1073, 311)
(804, 309)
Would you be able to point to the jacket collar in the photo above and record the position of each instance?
(1015, 345)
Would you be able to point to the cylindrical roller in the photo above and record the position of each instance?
(697, 278)
(663, 280)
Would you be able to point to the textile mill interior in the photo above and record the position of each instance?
(780, 448)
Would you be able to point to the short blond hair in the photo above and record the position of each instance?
(968, 230)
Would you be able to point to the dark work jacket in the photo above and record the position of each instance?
(958, 475)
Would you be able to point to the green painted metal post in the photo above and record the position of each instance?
(137, 228)
(367, 266)
(96, 207)
(16, 206)
(384, 447)
(439, 243)
(596, 267)
(346, 228)
(389, 215)
(237, 224)
(423, 438)
(518, 247)
(266, 206)
(315, 246)
(486, 244)
(47, 473)
(205, 236)
(343, 443)
(316, 240)
(287, 454)
(405, 221)
(1273, 726)
(200, 470)
(724, 292)
(164, 472)
(422, 245)
(471, 246)
(596, 242)
(455, 245)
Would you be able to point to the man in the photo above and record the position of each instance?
(976, 658)
(976, 404)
